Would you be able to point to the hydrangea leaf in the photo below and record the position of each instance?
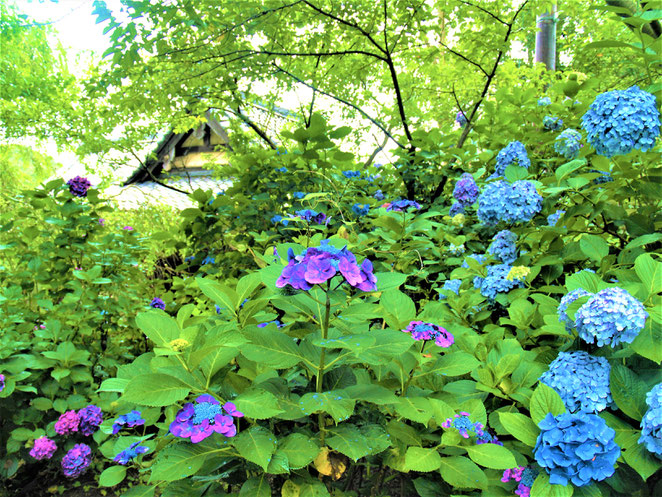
(491, 456)
(642, 461)
(271, 348)
(258, 404)
(542, 488)
(628, 391)
(154, 390)
(650, 273)
(398, 306)
(256, 445)
(348, 440)
(378, 439)
(520, 426)
(112, 476)
(335, 403)
(300, 449)
(140, 491)
(649, 341)
(543, 401)
(421, 459)
(220, 294)
(461, 472)
(185, 459)
(594, 247)
(256, 487)
(158, 326)
(456, 364)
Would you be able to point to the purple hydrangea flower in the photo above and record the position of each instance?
(76, 461)
(566, 300)
(552, 123)
(577, 448)
(130, 420)
(568, 143)
(90, 418)
(402, 205)
(461, 119)
(619, 121)
(200, 420)
(157, 303)
(67, 423)
(456, 208)
(610, 317)
(102, 221)
(581, 380)
(512, 154)
(466, 191)
(524, 475)
(503, 246)
(2, 382)
(427, 331)
(317, 265)
(44, 448)
(311, 215)
(467, 428)
(128, 228)
(651, 423)
(512, 203)
(132, 452)
(378, 195)
(78, 186)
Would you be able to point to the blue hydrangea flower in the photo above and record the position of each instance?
(619, 121)
(378, 195)
(311, 215)
(461, 119)
(298, 195)
(130, 453)
(568, 143)
(130, 420)
(456, 208)
(480, 258)
(456, 250)
(157, 303)
(512, 203)
(581, 380)
(605, 178)
(503, 246)
(577, 448)
(566, 300)
(552, 219)
(281, 169)
(512, 154)
(466, 191)
(651, 423)
(402, 205)
(451, 286)
(360, 209)
(496, 281)
(552, 123)
(208, 260)
(544, 101)
(610, 317)
(351, 174)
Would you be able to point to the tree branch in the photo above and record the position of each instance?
(485, 11)
(465, 58)
(259, 131)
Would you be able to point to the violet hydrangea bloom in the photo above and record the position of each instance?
(651, 423)
(204, 418)
(581, 380)
(130, 420)
(552, 123)
(2, 382)
(157, 303)
(90, 418)
(466, 191)
(44, 448)
(311, 215)
(130, 453)
(461, 119)
(402, 205)
(568, 143)
(610, 317)
(619, 121)
(503, 246)
(427, 331)
(76, 461)
(78, 186)
(512, 203)
(67, 423)
(456, 208)
(525, 476)
(577, 448)
(378, 195)
(317, 265)
(276, 322)
(512, 154)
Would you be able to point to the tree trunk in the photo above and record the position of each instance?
(546, 39)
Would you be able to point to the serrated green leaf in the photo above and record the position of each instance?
(461, 472)
(628, 391)
(300, 449)
(256, 445)
(542, 488)
(220, 294)
(649, 272)
(185, 459)
(155, 390)
(334, 402)
(158, 327)
(258, 404)
(594, 247)
(271, 348)
(520, 426)
(348, 440)
(256, 487)
(642, 461)
(112, 476)
(491, 456)
(545, 400)
(140, 491)
(424, 460)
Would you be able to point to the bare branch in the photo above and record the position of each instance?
(458, 54)
(494, 16)
(259, 131)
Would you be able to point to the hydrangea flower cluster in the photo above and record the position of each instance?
(208, 260)
(568, 143)
(512, 154)
(456, 208)
(130, 453)
(351, 174)
(451, 285)
(610, 317)
(518, 273)
(461, 119)
(276, 322)
(577, 448)
(76, 461)
(651, 423)
(157, 303)
(2, 382)
(402, 205)
(503, 246)
(480, 258)
(130, 420)
(317, 265)
(544, 101)
(278, 218)
(78, 186)
(360, 209)
(90, 418)
(67, 423)
(604, 178)
(44, 448)
(512, 203)
(581, 380)
(427, 331)
(496, 281)
(466, 191)
(619, 121)
(378, 195)
(467, 428)
(456, 250)
(281, 169)
(200, 420)
(552, 219)
(311, 215)
(552, 123)
(566, 300)
(298, 195)
(524, 475)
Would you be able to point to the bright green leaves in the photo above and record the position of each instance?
(112, 476)
(335, 403)
(356, 442)
(628, 391)
(219, 293)
(185, 459)
(399, 309)
(545, 400)
(258, 404)
(155, 389)
(520, 426)
(491, 456)
(542, 488)
(649, 272)
(420, 459)
(594, 247)
(158, 327)
(299, 449)
(271, 348)
(461, 472)
(256, 445)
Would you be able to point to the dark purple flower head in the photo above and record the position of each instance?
(317, 265)
(126, 455)
(44, 448)
(461, 119)
(78, 186)
(466, 191)
(427, 331)
(157, 303)
(102, 221)
(2, 382)
(90, 418)
(402, 205)
(67, 423)
(311, 216)
(130, 420)
(200, 420)
(76, 461)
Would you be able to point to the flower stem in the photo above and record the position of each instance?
(320, 368)
(411, 374)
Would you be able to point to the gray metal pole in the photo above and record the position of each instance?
(546, 39)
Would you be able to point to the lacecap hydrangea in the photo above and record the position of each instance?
(577, 448)
(512, 203)
(651, 423)
(581, 380)
(512, 154)
(496, 281)
(525, 476)
(204, 418)
(566, 300)
(468, 428)
(503, 246)
(568, 143)
(619, 121)
(610, 317)
(317, 265)
(428, 331)
(466, 191)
